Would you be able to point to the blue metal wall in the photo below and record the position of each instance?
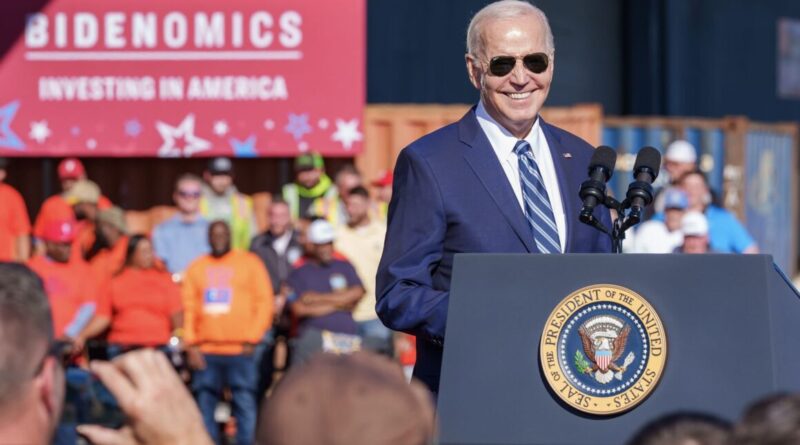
(769, 173)
(629, 139)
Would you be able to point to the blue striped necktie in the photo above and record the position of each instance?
(538, 210)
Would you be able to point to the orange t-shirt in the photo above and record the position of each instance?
(68, 285)
(227, 301)
(108, 262)
(140, 304)
(14, 221)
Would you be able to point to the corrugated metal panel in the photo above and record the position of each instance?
(657, 137)
(388, 128)
(712, 157)
(611, 137)
(769, 172)
(631, 139)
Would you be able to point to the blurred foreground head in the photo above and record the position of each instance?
(31, 377)
(684, 429)
(354, 399)
(774, 420)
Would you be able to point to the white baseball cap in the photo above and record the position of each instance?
(694, 224)
(681, 151)
(321, 232)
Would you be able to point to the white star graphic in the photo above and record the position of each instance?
(346, 133)
(220, 128)
(185, 131)
(39, 131)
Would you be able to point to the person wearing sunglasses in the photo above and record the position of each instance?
(501, 179)
(32, 384)
(183, 238)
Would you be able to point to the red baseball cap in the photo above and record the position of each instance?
(71, 168)
(385, 179)
(60, 231)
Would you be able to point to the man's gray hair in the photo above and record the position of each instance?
(25, 325)
(504, 9)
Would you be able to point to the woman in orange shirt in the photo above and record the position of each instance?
(140, 305)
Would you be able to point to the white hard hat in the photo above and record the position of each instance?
(681, 151)
(694, 224)
(321, 232)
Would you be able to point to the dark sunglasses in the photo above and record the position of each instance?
(184, 194)
(502, 65)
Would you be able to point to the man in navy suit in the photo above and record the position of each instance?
(500, 180)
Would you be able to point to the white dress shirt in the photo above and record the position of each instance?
(281, 243)
(503, 144)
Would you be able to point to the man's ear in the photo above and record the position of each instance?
(49, 386)
(474, 71)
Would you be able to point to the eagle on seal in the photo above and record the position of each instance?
(604, 339)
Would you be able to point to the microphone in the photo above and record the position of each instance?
(593, 190)
(640, 191)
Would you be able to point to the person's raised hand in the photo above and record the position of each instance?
(156, 403)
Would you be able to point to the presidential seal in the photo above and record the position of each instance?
(603, 349)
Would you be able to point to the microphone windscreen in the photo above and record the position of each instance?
(603, 156)
(648, 157)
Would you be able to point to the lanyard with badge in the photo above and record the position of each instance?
(218, 295)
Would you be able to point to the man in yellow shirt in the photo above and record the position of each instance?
(227, 302)
(222, 200)
(361, 241)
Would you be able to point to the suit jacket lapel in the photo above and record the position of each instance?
(565, 173)
(484, 163)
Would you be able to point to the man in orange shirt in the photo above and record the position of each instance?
(59, 206)
(15, 227)
(228, 305)
(69, 284)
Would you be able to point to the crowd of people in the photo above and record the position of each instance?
(159, 409)
(206, 284)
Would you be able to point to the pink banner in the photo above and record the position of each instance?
(185, 78)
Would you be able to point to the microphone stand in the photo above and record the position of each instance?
(640, 195)
(618, 227)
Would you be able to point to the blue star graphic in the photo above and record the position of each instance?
(298, 126)
(8, 138)
(244, 149)
(133, 128)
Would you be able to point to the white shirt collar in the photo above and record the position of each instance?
(501, 139)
